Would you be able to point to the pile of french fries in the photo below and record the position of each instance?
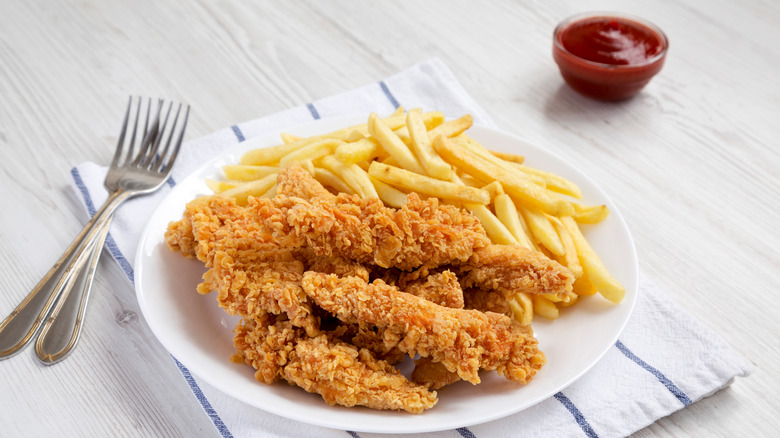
(418, 151)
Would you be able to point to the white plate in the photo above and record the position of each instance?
(199, 334)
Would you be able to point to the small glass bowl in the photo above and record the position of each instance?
(607, 81)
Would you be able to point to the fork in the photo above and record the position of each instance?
(130, 174)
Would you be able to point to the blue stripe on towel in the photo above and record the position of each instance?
(389, 95)
(238, 133)
(465, 432)
(204, 402)
(313, 111)
(353, 434)
(674, 389)
(128, 269)
(578, 417)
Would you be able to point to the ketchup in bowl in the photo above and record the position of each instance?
(608, 56)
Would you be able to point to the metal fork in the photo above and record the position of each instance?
(130, 174)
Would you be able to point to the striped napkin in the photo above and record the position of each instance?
(663, 361)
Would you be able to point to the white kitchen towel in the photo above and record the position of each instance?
(663, 361)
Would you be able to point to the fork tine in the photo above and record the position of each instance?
(158, 162)
(120, 142)
(131, 147)
(152, 152)
(166, 169)
(149, 137)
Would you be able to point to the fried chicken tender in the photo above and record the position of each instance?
(486, 300)
(464, 341)
(331, 265)
(179, 237)
(341, 373)
(255, 283)
(441, 288)
(509, 269)
(251, 273)
(422, 233)
(296, 182)
(434, 375)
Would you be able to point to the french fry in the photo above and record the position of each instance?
(506, 212)
(583, 287)
(355, 136)
(542, 230)
(474, 147)
(308, 166)
(393, 145)
(352, 174)
(431, 119)
(243, 172)
(270, 156)
(569, 257)
(517, 312)
(288, 138)
(388, 194)
(590, 214)
(220, 186)
(552, 181)
(512, 158)
(253, 188)
(592, 266)
(527, 305)
(494, 228)
(394, 121)
(573, 299)
(493, 188)
(519, 188)
(270, 193)
(311, 151)
(470, 181)
(330, 179)
(358, 151)
(404, 179)
(544, 307)
(452, 128)
(421, 146)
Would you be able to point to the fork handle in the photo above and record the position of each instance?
(61, 330)
(21, 325)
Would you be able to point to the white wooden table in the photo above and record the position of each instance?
(692, 162)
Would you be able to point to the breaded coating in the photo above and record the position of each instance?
(372, 338)
(251, 273)
(486, 301)
(441, 288)
(434, 375)
(331, 265)
(255, 283)
(295, 181)
(341, 373)
(422, 233)
(179, 237)
(511, 268)
(464, 341)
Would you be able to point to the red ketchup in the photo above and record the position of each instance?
(608, 57)
(610, 40)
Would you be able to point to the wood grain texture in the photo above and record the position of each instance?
(692, 162)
